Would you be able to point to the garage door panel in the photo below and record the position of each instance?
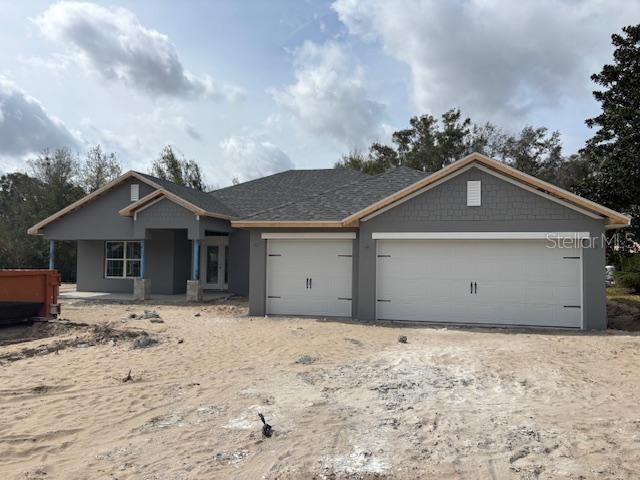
(518, 282)
(327, 263)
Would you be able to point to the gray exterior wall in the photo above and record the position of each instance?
(257, 274)
(90, 275)
(505, 208)
(99, 219)
(181, 261)
(167, 264)
(239, 245)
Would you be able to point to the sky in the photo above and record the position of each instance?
(249, 88)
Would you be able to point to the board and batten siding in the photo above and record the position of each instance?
(505, 208)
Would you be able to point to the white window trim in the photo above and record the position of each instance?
(134, 192)
(124, 260)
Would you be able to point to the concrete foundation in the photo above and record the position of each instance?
(194, 291)
(141, 288)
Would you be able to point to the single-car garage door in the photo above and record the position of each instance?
(309, 277)
(513, 282)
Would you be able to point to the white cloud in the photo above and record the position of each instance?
(494, 58)
(329, 96)
(247, 158)
(115, 44)
(26, 127)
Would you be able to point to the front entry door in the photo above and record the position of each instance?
(214, 263)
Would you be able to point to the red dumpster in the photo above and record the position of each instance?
(29, 293)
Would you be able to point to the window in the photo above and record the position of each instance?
(474, 193)
(122, 259)
(135, 192)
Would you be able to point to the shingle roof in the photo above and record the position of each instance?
(264, 193)
(298, 195)
(340, 202)
(191, 195)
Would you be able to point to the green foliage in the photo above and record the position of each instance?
(614, 149)
(629, 276)
(169, 166)
(55, 180)
(430, 144)
(99, 168)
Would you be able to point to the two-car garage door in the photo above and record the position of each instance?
(515, 282)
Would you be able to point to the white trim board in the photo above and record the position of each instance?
(478, 235)
(490, 172)
(309, 235)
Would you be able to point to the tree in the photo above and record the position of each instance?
(533, 151)
(430, 144)
(613, 151)
(57, 173)
(98, 169)
(169, 166)
(21, 204)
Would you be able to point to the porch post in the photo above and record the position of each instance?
(195, 271)
(142, 259)
(141, 285)
(52, 255)
(194, 289)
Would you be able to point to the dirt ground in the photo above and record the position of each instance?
(345, 400)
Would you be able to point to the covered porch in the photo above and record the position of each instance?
(162, 262)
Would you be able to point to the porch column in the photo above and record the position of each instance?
(141, 285)
(194, 289)
(195, 271)
(52, 255)
(142, 259)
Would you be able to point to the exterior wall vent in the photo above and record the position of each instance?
(135, 192)
(474, 193)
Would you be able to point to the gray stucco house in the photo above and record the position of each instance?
(476, 242)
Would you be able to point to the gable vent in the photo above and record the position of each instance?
(135, 192)
(474, 195)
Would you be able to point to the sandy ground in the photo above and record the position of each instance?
(345, 400)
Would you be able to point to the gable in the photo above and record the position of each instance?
(502, 203)
(98, 218)
(612, 218)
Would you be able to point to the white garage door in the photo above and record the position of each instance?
(514, 282)
(309, 277)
